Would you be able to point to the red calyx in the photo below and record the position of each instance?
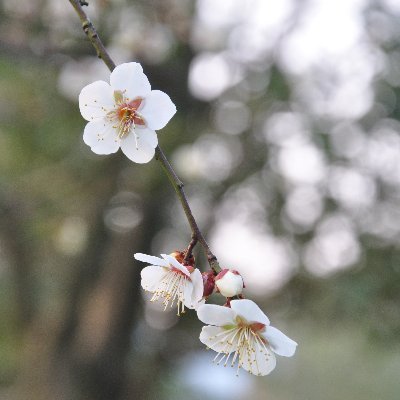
(180, 257)
(208, 283)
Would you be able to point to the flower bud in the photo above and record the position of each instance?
(208, 283)
(229, 283)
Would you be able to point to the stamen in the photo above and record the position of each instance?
(248, 344)
(125, 116)
(171, 289)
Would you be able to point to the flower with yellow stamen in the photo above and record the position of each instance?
(242, 335)
(171, 282)
(124, 113)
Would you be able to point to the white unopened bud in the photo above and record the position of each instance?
(229, 283)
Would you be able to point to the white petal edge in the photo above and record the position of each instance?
(199, 303)
(141, 154)
(130, 79)
(95, 100)
(214, 338)
(249, 311)
(150, 259)
(157, 109)
(147, 135)
(101, 137)
(279, 342)
(175, 263)
(198, 287)
(187, 293)
(216, 315)
(151, 277)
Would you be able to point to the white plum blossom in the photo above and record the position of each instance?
(172, 281)
(242, 334)
(125, 113)
(229, 283)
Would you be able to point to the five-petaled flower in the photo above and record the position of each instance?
(125, 113)
(241, 333)
(172, 281)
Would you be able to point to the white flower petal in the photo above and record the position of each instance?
(147, 135)
(157, 109)
(130, 79)
(199, 303)
(136, 149)
(249, 311)
(150, 259)
(151, 277)
(95, 100)
(187, 293)
(198, 287)
(260, 362)
(216, 315)
(176, 264)
(100, 136)
(279, 342)
(215, 337)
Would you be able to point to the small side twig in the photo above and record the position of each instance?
(197, 236)
(190, 248)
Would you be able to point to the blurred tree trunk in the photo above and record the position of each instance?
(18, 247)
(81, 353)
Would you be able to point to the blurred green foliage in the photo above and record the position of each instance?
(73, 324)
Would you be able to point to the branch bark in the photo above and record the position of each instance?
(197, 236)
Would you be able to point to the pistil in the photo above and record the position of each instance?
(126, 115)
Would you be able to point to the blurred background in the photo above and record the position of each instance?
(287, 136)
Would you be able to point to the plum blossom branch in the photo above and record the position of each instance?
(239, 332)
(177, 184)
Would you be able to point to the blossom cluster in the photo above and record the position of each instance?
(125, 113)
(239, 331)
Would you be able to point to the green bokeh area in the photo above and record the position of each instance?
(74, 322)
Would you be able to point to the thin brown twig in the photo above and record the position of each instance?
(177, 184)
(189, 250)
(91, 33)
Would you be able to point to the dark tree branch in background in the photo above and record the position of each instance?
(177, 184)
